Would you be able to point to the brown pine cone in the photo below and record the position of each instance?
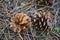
(20, 22)
(44, 21)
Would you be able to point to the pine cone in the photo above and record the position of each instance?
(43, 21)
(20, 22)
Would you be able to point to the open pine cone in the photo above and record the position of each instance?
(43, 21)
(20, 22)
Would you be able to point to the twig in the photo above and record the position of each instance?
(30, 7)
(33, 34)
(20, 36)
(51, 32)
(20, 7)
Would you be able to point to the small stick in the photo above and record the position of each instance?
(20, 36)
(55, 34)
